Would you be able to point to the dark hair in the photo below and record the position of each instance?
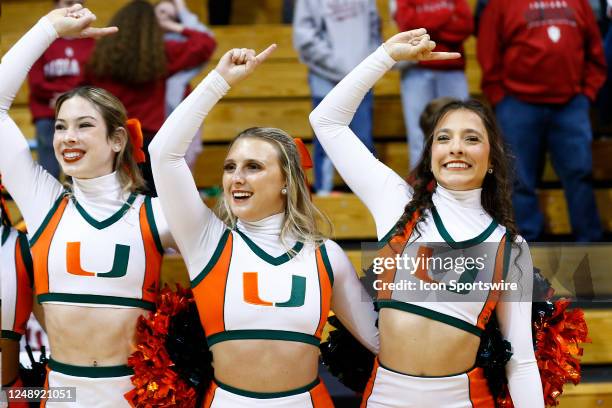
(426, 120)
(114, 114)
(496, 187)
(136, 54)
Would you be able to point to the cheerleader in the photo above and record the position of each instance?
(263, 276)
(16, 275)
(96, 245)
(460, 202)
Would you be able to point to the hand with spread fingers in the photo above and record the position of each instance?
(415, 45)
(238, 63)
(75, 21)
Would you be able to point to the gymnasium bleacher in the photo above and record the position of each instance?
(278, 95)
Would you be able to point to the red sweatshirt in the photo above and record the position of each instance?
(58, 70)
(448, 22)
(147, 102)
(544, 51)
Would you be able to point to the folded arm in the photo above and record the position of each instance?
(350, 302)
(195, 228)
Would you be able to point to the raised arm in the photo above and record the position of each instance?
(195, 228)
(383, 191)
(350, 302)
(514, 316)
(33, 189)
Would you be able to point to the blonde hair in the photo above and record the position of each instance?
(302, 217)
(114, 114)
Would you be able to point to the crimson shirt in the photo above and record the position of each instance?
(448, 22)
(59, 69)
(544, 51)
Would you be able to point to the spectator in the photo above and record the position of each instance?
(177, 86)
(58, 70)
(449, 22)
(135, 63)
(332, 37)
(542, 64)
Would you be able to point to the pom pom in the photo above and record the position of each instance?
(558, 335)
(36, 375)
(345, 358)
(493, 354)
(156, 379)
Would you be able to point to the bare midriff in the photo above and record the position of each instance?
(265, 365)
(91, 336)
(416, 345)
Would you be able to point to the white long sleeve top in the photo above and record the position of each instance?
(197, 230)
(386, 194)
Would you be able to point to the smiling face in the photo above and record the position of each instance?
(80, 141)
(253, 179)
(460, 151)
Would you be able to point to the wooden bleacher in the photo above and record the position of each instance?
(278, 95)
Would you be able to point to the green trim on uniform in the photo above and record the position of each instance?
(267, 395)
(10, 335)
(387, 237)
(6, 231)
(424, 376)
(462, 244)
(26, 256)
(262, 335)
(325, 257)
(110, 220)
(213, 260)
(90, 372)
(279, 260)
(430, 314)
(152, 224)
(47, 219)
(95, 299)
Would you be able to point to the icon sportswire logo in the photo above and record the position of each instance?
(250, 286)
(120, 261)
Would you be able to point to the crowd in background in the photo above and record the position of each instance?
(543, 66)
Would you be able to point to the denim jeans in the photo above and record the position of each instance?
(361, 125)
(565, 130)
(45, 128)
(419, 87)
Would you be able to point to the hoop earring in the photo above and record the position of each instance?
(490, 171)
(284, 191)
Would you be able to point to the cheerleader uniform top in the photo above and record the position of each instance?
(16, 277)
(246, 282)
(457, 221)
(95, 246)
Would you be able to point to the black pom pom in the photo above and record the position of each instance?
(36, 375)
(346, 359)
(187, 347)
(493, 354)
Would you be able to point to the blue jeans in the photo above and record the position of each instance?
(419, 87)
(361, 125)
(565, 130)
(45, 128)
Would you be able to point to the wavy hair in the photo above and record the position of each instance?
(302, 217)
(114, 114)
(136, 54)
(496, 187)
